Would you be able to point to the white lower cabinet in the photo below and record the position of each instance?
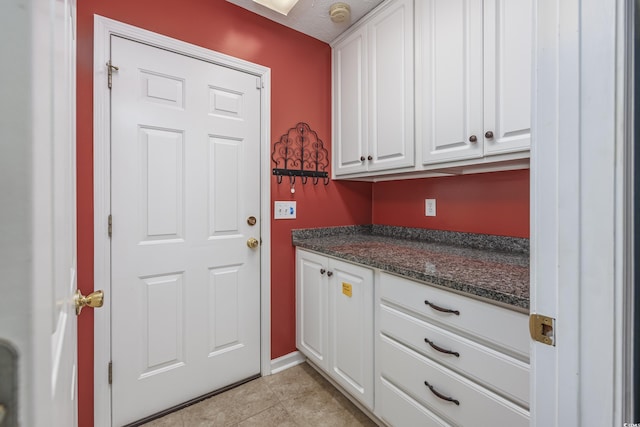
(448, 359)
(440, 358)
(334, 321)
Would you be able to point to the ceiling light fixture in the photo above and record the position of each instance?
(280, 6)
(339, 12)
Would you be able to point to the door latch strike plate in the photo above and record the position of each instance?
(542, 329)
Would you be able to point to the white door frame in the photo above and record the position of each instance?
(579, 190)
(104, 28)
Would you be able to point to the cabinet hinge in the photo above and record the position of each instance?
(110, 69)
(110, 225)
(110, 373)
(542, 329)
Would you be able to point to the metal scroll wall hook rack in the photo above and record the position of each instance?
(299, 153)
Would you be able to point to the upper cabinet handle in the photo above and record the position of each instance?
(488, 135)
(329, 273)
(444, 310)
(362, 159)
(322, 271)
(473, 139)
(370, 158)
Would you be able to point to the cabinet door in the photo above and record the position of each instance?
(391, 139)
(350, 104)
(351, 329)
(311, 303)
(507, 74)
(449, 79)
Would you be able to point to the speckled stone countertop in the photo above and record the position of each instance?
(491, 267)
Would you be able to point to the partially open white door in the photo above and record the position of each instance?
(38, 212)
(576, 211)
(63, 217)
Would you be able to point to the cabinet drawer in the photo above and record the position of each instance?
(399, 410)
(408, 371)
(501, 373)
(497, 326)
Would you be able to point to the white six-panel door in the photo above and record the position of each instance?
(185, 178)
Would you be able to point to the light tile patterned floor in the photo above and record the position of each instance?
(296, 397)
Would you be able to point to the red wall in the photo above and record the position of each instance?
(300, 91)
(495, 203)
(489, 203)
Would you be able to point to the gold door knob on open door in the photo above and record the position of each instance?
(94, 300)
(253, 243)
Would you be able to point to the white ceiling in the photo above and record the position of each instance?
(312, 16)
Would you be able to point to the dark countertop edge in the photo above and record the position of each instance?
(455, 238)
(508, 301)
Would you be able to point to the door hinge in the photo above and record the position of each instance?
(110, 373)
(110, 225)
(110, 69)
(542, 329)
(259, 84)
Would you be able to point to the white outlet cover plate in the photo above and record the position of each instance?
(284, 210)
(430, 207)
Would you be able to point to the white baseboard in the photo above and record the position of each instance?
(287, 361)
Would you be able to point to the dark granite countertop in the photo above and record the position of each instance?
(494, 268)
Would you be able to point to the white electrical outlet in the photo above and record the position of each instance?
(430, 207)
(284, 210)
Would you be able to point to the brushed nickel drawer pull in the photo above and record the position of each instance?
(440, 349)
(444, 310)
(441, 396)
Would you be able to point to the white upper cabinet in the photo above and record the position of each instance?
(507, 75)
(449, 79)
(350, 104)
(473, 62)
(373, 93)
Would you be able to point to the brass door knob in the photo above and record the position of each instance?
(93, 300)
(253, 243)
